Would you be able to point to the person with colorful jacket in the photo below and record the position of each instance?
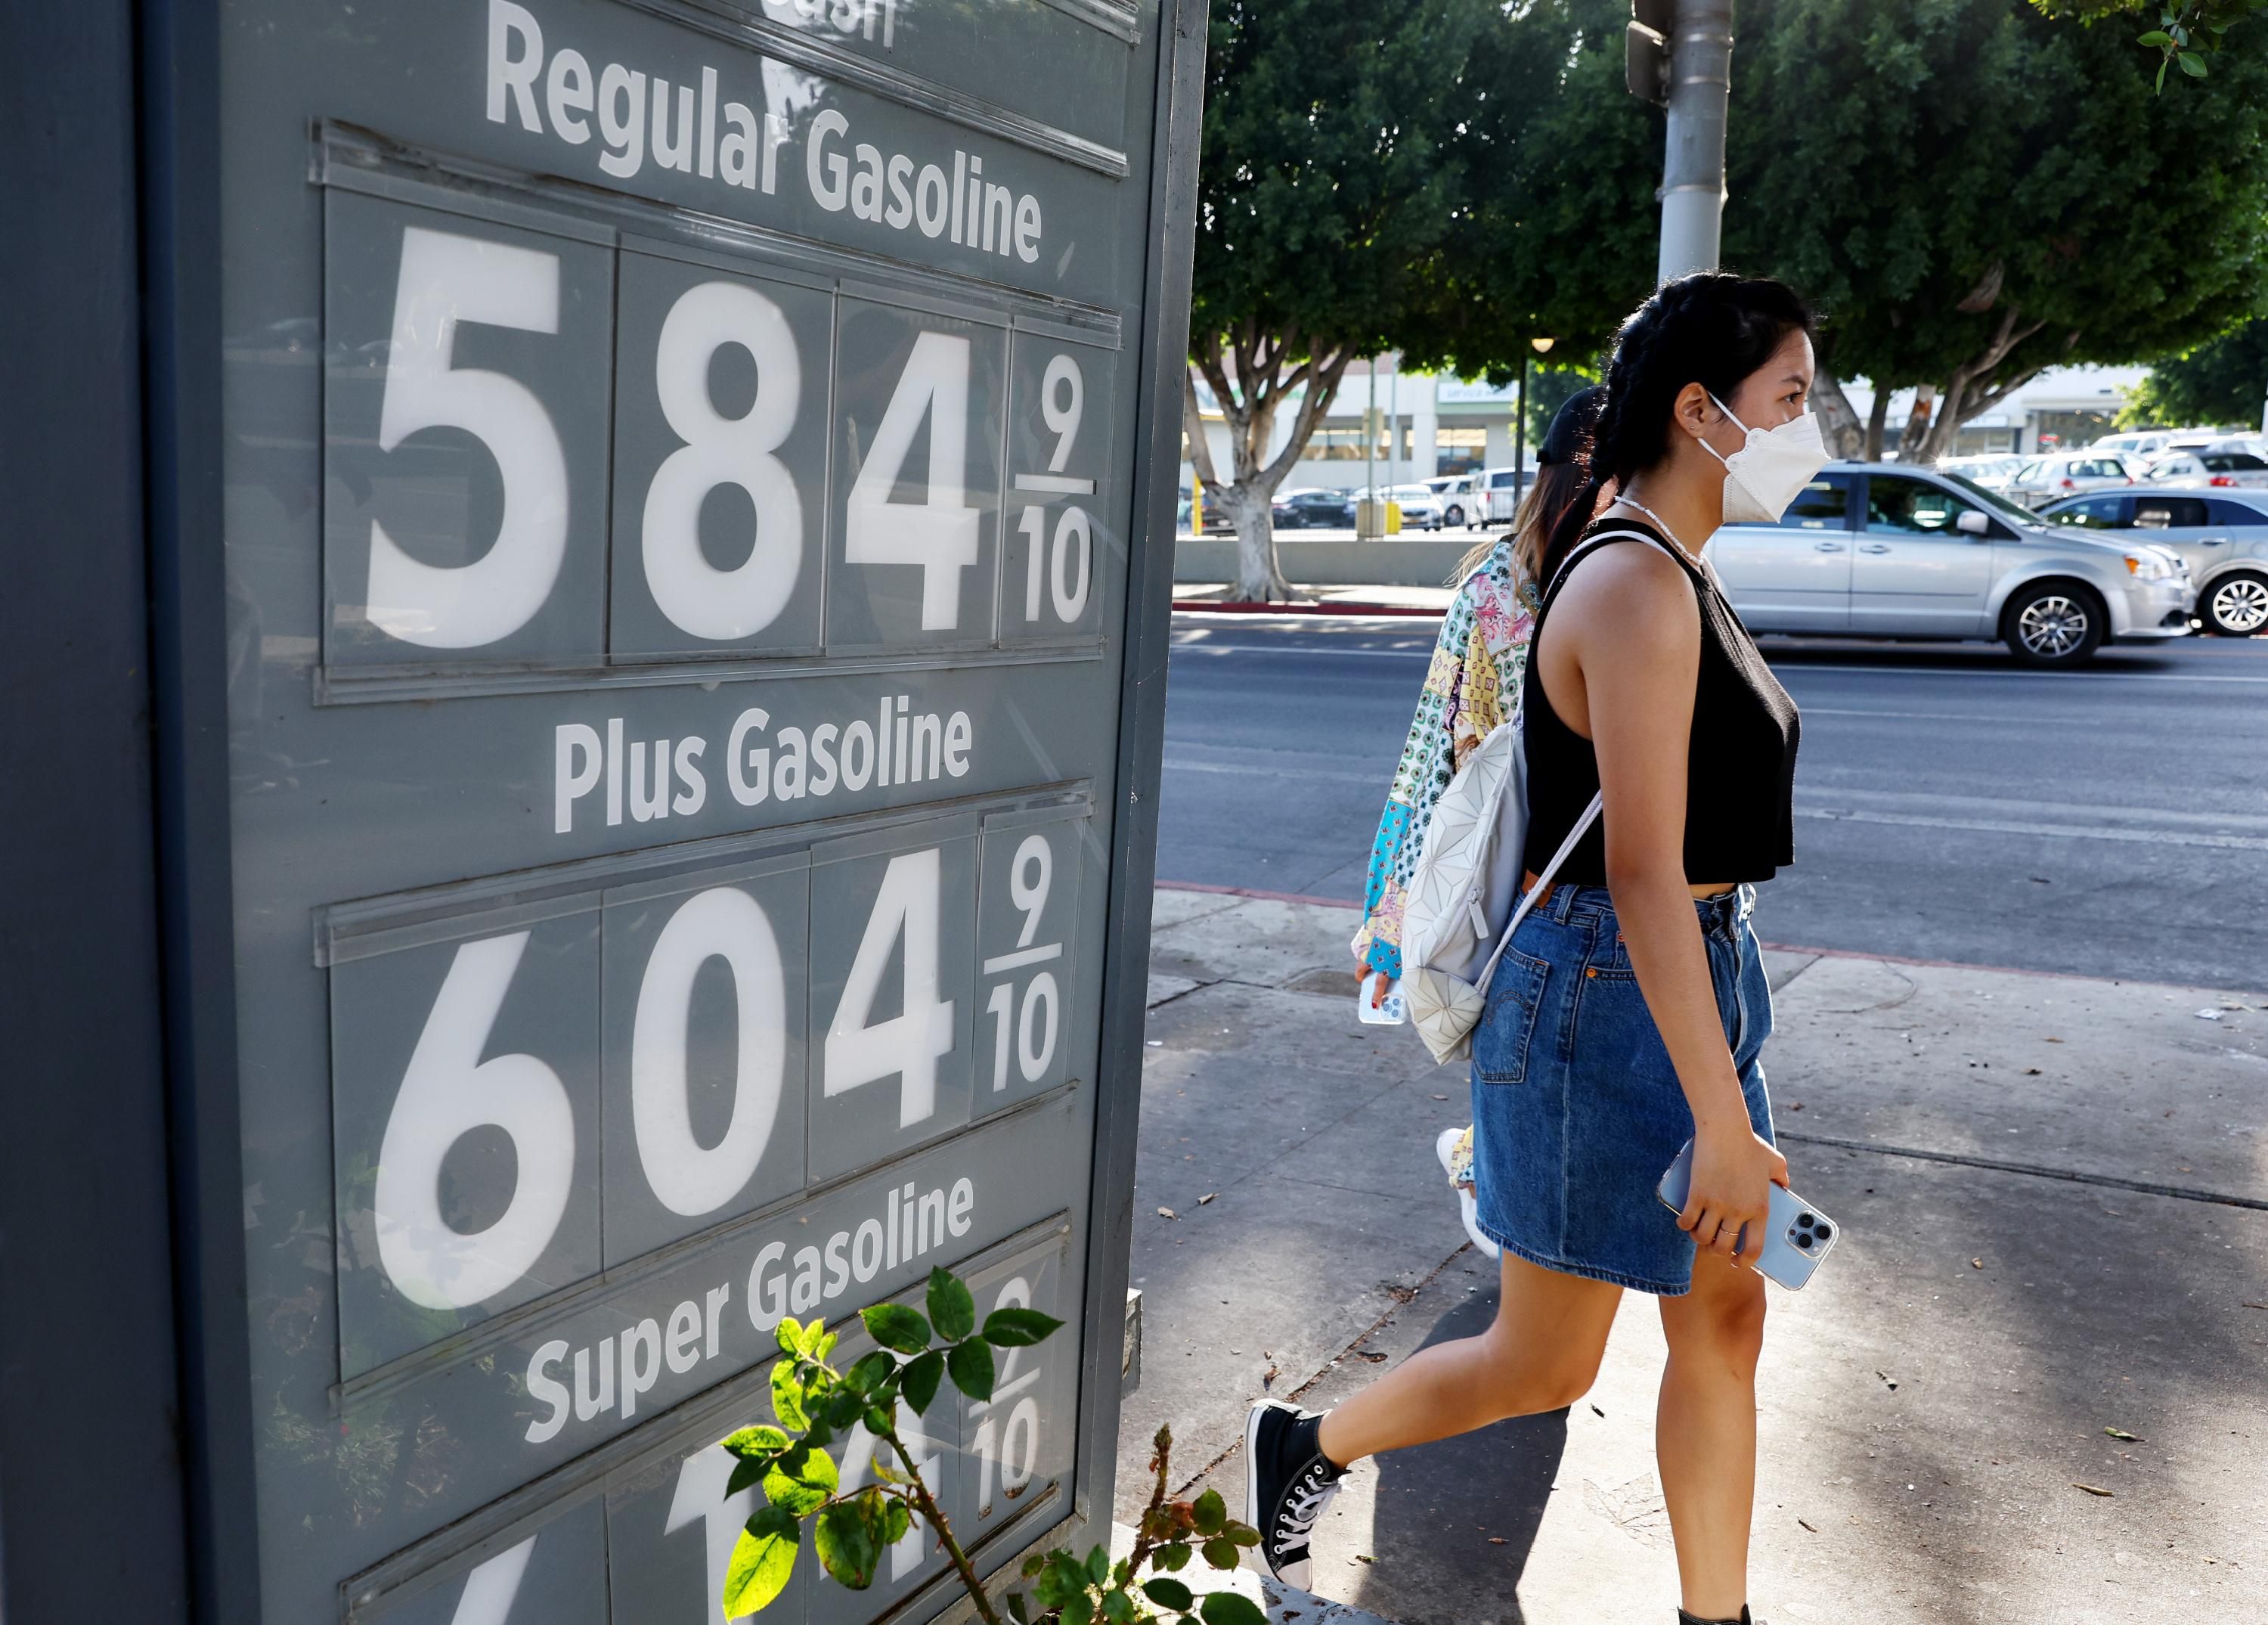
(1471, 688)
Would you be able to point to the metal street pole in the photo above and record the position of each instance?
(1520, 432)
(1693, 165)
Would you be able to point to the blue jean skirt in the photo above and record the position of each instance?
(1577, 1110)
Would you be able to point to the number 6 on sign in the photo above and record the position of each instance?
(447, 1092)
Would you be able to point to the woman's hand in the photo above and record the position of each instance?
(1734, 1171)
(1377, 995)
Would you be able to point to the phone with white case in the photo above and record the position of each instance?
(1797, 1236)
(1390, 1011)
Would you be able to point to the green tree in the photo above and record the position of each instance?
(2187, 32)
(1329, 183)
(2222, 381)
(1972, 193)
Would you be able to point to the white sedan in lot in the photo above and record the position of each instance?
(2221, 534)
(1884, 550)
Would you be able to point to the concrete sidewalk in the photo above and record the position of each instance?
(2054, 1201)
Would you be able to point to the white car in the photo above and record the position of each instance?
(1421, 509)
(1456, 493)
(1992, 473)
(2068, 473)
(2137, 442)
(2208, 467)
(1880, 550)
(2221, 534)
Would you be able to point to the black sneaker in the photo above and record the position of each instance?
(1288, 1482)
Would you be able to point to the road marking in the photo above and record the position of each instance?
(1965, 674)
(1263, 649)
(2068, 831)
(1246, 770)
(2087, 815)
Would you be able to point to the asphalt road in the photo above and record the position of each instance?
(2111, 822)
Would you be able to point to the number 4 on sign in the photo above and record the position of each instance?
(940, 533)
(908, 1045)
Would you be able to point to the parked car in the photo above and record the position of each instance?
(2208, 467)
(1421, 509)
(2045, 478)
(1313, 509)
(2136, 442)
(1992, 473)
(1455, 492)
(1499, 489)
(2220, 535)
(1875, 551)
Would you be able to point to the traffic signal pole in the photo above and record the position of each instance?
(1680, 56)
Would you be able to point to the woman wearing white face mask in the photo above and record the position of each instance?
(1628, 1013)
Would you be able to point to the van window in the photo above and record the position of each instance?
(2168, 513)
(1823, 504)
(2095, 514)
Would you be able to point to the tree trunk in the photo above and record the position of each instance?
(1259, 578)
(1916, 435)
(1878, 420)
(1251, 381)
(1838, 425)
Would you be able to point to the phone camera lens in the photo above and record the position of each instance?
(1803, 1221)
(1803, 1241)
(1821, 1231)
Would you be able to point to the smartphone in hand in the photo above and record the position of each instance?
(1391, 1011)
(1797, 1235)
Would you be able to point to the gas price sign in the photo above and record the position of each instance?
(684, 460)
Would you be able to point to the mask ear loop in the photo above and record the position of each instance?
(1727, 414)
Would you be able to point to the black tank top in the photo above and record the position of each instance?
(1740, 786)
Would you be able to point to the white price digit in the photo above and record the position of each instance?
(700, 1498)
(1069, 561)
(702, 600)
(858, 1453)
(447, 1092)
(1062, 420)
(940, 533)
(490, 1589)
(1032, 1056)
(1030, 897)
(1012, 1448)
(447, 279)
(910, 1043)
(724, 923)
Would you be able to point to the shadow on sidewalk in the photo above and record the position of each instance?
(1455, 1499)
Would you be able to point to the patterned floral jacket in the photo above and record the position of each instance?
(1472, 685)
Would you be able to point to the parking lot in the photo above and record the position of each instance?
(2108, 822)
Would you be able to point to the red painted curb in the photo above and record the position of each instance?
(1208, 606)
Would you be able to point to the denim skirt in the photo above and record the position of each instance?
(1577, 1110)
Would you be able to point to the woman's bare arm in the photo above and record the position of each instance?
(1628, 636)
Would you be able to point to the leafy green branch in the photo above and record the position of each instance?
(816, 1403)
(2185, 33)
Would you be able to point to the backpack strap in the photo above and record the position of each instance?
(1590, 814)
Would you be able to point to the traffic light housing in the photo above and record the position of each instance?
(1645, 49)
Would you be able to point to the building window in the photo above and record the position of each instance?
(1460, 451)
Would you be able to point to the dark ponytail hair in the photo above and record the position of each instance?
(1709, 328)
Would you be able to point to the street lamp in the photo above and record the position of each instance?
(1542, 347)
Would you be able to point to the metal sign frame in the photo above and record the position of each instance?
(140, 1164)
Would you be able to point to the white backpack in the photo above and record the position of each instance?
(1468, 875)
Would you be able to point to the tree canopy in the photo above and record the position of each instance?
(2220, 381)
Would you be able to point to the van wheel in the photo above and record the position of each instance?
(2052, 623)
(2237, 605)
(1454, 515)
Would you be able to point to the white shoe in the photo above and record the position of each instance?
(1445, 1146)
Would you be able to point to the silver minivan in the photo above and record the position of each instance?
(1880, 550)
(2221, 534)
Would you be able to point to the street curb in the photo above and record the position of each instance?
(1207, 606)
(1778, 948)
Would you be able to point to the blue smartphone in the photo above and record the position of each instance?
(1798, 1235)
